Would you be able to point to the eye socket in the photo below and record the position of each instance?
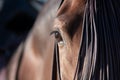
(57, 36)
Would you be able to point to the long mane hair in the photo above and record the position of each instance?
(99, 56)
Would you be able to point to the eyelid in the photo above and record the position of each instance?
(54, 31)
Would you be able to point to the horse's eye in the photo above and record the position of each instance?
(57, 36)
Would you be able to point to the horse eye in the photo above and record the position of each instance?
(57, 36)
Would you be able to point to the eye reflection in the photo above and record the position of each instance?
(57, 36)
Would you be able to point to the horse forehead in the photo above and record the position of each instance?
(70, 8)
(68, 11)
(72, 3)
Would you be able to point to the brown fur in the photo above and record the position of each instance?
(37, 60)
(95, 64)
(69, 14)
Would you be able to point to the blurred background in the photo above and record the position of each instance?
(16, 19)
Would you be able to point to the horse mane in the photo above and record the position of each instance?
(99, 56)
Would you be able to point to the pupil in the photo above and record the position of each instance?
(56, 35)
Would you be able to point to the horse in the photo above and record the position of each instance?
(84, 44)
(87, 42)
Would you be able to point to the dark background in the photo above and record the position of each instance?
(16, 19)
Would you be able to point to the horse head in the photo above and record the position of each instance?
(68, 30)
